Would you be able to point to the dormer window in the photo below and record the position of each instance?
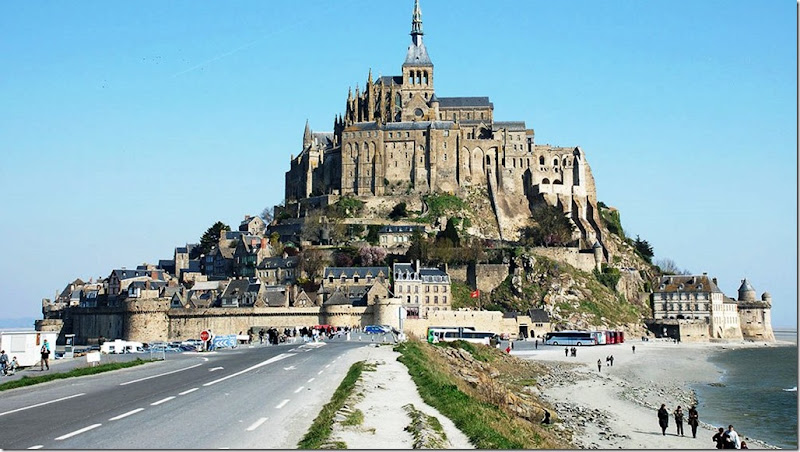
(662, 287)
(680, 287)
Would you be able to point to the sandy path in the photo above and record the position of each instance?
(385, 391)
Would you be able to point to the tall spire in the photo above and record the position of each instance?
(416, 24)
(307, 140)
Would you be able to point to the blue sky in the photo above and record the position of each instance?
(128, 128)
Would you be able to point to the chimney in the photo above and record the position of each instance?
(247, 217)
(714, 280)
(263, 243)
(417, 266)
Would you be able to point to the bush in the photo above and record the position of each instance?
(609, 277)
(399, 211)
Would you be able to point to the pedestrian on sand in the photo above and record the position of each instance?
(694, 420)
(546, 419)
(612, 360)
(718, 438)
(663, 419)
(731, 439)
(608, 358)
(633, 348)
(599, 365)
(566, 351)
(45, 351)
(536, 344)
(744, 445)
(574, 352)
(678, 420)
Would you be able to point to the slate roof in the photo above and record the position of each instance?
(127, 274)
(205, 285)
(236, 287)
(417, 55)
(456, 102)
(390, 80)
(275, 299)
(686, 283)
(511, 126)
(405, 272)
(539, 316)
(279, 262)
(406, 125)
(397, 229)
(350, 272)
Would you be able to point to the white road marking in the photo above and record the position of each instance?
(256, 424)
(162, 401)
(186, 392)
(299, 389)
(37, 447)
(269, 361)
(310, 380)
(327, 365)
(289, 368)
(159, 375)
(215, 368)
(78, 432)
(294, 349)
(116, 418)
(42, 404)
(319, 373)
(282, 404)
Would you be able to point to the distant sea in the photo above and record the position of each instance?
(758, 392)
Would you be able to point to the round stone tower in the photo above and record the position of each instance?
(598, 255)
(746, 291)
(146, 321)
(387, 312)
(766, 298)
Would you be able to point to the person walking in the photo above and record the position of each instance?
(12, 367)
(663, 419)
(633, 349)
(678, 420)
(3, 362)
(717, 438)
(694, 420)
(611, 358)
(45, 351)
(566, 351)
(536, 344)
(546, 419)
(599, 365)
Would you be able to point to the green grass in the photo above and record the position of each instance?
(321, 429)
(480, 421)
(355, 418)
(479, 352)
(80, 372)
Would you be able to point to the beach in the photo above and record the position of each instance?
(616, 407)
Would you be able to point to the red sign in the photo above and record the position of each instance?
(475, 294)
(204, 336)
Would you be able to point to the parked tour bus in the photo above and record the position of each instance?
(468, 334)
(578, 338)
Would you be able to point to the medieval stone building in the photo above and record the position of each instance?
(398, 136)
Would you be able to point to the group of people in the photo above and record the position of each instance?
(570, 351)
(728, 439)
(693, 419)
(7, 367)
(724, 439)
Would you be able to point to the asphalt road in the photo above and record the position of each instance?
(261, 397)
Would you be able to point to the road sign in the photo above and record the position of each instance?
(204, 336)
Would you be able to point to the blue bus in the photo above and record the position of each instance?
(578, 338)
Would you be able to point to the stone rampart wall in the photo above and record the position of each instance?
(457, 273)
(486, 277)
(572, 256)
(756, 324)
(693, 331)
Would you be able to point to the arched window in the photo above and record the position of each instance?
(425, 78)
(545, 181)
(541, 160)
(419, 78)
(555, 162)
(565, 161)
(411, 77)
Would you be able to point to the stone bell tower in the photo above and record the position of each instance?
(417, 88)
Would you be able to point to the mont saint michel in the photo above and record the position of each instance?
(420, 254)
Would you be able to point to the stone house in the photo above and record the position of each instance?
(116, 280)
(421, 289)
(144, 288)
(181, 258)
(253, 226)
(242, 292)
(397, 237)
(540, 323)
(249, 253)
(278, 270)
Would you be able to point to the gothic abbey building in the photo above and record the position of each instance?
(399, 137)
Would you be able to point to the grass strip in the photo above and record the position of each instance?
(486, 425)
(321, 429)
(80, 372)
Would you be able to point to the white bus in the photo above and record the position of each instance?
(461, 333)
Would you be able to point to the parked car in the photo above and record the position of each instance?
(376, 329)
(193, 342)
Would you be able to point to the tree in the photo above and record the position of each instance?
(312, 227)
(399, 211)
(311, 262)
(644, 249)
(450, 234)
(372, 255)
(669, 267)
(552, 228)
(372, 234)
(267, 215)
(211, 237)
(418, 248)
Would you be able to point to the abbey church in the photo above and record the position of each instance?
(399, 137)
